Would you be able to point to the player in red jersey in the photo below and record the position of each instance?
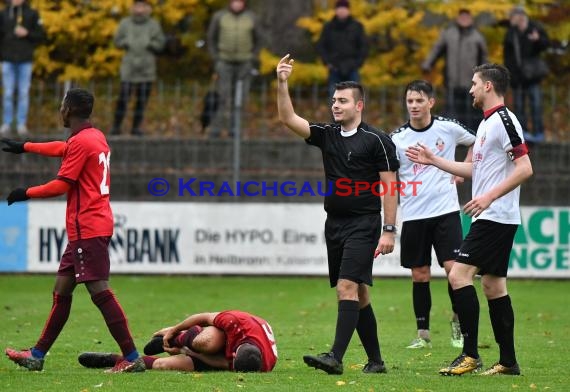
(228, 340)
(84, 176)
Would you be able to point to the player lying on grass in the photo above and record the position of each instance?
(228, 340)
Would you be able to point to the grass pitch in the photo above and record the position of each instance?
(302, 312)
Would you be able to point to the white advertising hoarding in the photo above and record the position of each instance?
(260, 238)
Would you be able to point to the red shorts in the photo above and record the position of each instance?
(86, 260)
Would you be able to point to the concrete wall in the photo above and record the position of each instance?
(135, 162)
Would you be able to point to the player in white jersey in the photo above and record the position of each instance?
(500, 165)
(431, 215)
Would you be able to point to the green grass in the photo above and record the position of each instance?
(302, 312)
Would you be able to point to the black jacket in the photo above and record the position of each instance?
(529, 49)
(12, 48)
(343, 45)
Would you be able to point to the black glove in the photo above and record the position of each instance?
(13, 146)
(18, 194)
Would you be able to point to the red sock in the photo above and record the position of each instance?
(115, 319)
(57, 318)
(186, 338)
(148, 361)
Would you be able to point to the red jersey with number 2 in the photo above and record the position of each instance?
(241, 327)
(85, 165)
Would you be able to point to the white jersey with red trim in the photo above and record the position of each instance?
(499, 141)
(435, 191)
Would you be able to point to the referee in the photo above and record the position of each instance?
(360, 156)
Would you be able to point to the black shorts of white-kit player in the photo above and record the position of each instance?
(488, 246)
(443, 233)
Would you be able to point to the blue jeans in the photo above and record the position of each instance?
(336, 77)
(16, 77)
(534, 94)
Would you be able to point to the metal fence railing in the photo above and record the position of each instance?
(175, 107)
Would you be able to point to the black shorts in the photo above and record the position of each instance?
(488, 247)
(443, 233)
(351, 242)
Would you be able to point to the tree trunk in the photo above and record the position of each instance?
(278, 20)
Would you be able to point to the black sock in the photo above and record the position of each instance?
(467, 305)
(367, 329)
(422, 303)
(346, 323)
(503, 322)
(452, 299)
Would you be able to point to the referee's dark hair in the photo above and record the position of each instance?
(80, 103)
(357, 89)
(248, 358)
(496, 74)
(420, 86)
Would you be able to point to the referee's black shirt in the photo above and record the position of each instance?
(358, 157)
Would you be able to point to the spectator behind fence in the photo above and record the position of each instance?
(343, 46)
(142, 38)
(20, 32)
(463, 47)
(523, 43)
(234, 42)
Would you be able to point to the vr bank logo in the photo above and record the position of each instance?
(128, 244)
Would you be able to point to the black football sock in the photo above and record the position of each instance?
(467, 305)
(503, 322)
(367, 330)
(422, 304)
(346, 323)
(451, 297)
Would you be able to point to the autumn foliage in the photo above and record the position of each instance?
(80, 34)
(80, 48)
(403, 32)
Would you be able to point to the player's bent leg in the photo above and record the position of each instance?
(494, 286)
(180, 362)
(211, 340)
(363, 295)
(461, 275)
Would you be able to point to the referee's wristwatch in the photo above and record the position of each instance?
(390, 229)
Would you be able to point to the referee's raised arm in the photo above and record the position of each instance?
(285, 108)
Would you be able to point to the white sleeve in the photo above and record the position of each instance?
(463, 135)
